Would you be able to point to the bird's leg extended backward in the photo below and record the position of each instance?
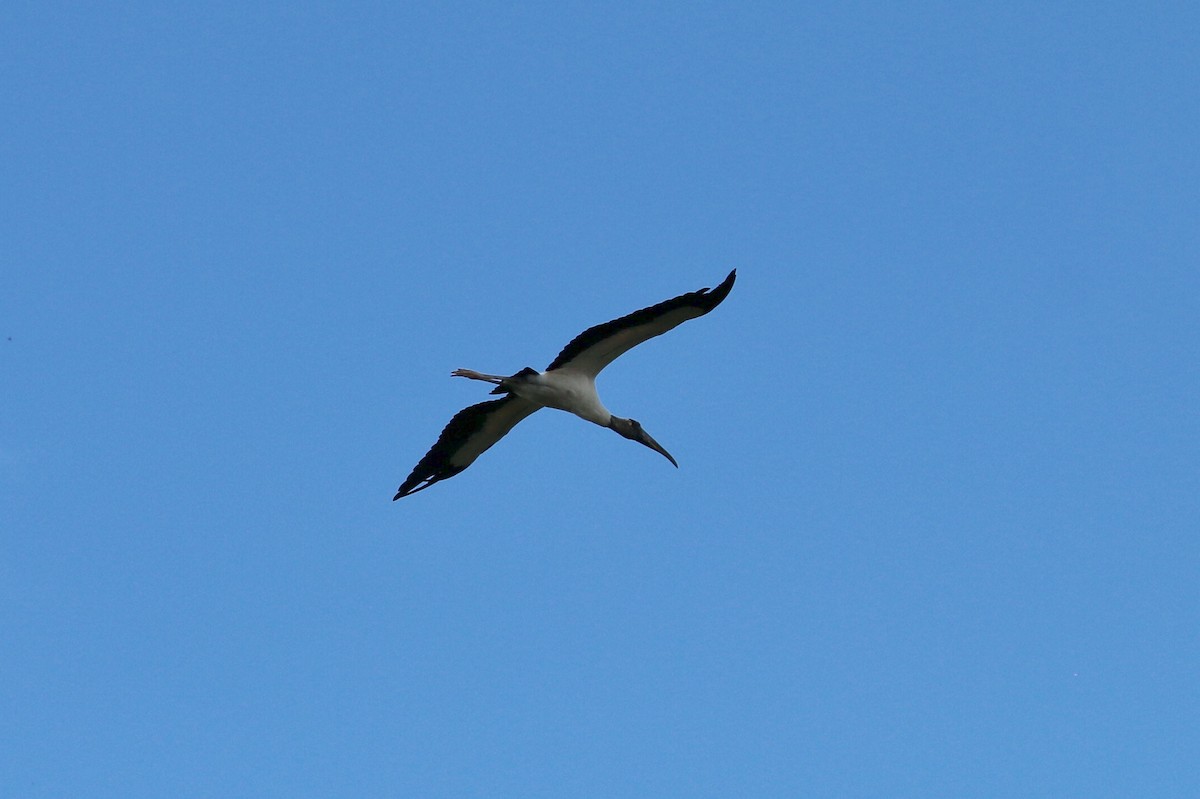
(471, 373)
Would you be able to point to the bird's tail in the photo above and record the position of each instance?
(505, 385)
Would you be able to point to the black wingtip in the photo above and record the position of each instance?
(707, 298)
(411, 486)
(716, 296)
(406, 490)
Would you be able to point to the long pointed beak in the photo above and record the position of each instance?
(646, 439)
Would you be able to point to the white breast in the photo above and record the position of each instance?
(565, 390)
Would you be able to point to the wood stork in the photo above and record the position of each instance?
(569, 384)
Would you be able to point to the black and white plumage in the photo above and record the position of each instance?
(569, 384)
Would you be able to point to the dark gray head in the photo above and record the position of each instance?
(634, 432)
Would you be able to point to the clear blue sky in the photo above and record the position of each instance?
(935, 530)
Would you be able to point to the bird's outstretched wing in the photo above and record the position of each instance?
(465, 438)
(597, 347)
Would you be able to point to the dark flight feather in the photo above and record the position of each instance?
(452, 452)
(699, 302)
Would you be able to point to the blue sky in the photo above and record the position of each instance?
(935, 527)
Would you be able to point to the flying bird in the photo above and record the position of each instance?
(569, 384)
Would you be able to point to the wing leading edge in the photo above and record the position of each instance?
(597, 347)
(467, 436)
